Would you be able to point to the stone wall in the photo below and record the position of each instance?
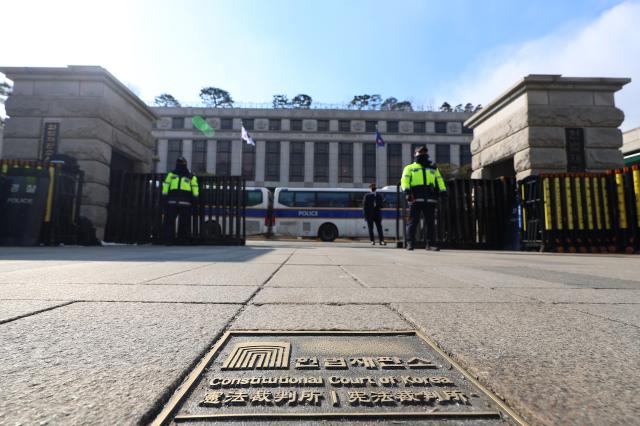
(527, 124)
(97, 115)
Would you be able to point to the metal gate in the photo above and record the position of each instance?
(136, 210)
(477, 213)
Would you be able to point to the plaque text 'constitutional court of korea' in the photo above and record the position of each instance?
(330, 375)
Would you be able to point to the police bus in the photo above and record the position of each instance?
(328, 213)
(258, 210)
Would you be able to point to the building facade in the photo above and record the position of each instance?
(631, 146)
(308, 147)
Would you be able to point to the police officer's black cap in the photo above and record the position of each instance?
(181, 160)
(421, 150)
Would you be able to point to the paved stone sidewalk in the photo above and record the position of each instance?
(103, 335)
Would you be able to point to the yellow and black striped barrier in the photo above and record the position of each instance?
(582, 212)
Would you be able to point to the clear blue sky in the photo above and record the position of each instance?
(424, 51)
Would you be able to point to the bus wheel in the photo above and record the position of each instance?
(328, 232)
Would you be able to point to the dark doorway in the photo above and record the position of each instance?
(120, 163)
(504, 168)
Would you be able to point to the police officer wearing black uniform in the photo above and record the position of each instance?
(179, 190)
(422, 184)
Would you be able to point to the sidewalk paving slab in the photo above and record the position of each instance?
(319, 317)
(382, 295)
(579, 295)
(12, 309)
(552, 364)
(222, 274)
(312, 276)
(129, 293)
(101, 363)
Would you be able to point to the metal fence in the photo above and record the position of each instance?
(477, 213)
(582, 212)
(40, 202)
(136, 210)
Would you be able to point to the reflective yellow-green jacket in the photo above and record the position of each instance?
(180, 189)
(423, 183)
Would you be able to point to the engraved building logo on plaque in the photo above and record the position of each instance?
(258, 355)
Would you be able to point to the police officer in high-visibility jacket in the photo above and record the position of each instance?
(179, 190)
(422, 184)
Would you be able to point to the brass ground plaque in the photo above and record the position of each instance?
(300, 375)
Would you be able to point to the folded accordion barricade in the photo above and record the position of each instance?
(582, 212)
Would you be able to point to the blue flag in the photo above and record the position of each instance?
(379, 140)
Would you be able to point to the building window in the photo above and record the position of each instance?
(369, 162)
(345, 162)
(296, 161)
(466, 130)
(249, 161)
(392, 127)
(223, 158)
(443, 154)
(296, 125)
(155, 147)
(441, 127)
(321, 162)
(274, 124)
(419, 127)
(173, 152)
(323, 125)
(226, 123)
(370, 126)
(344, 125)
(394, 163)
(465, 154)
(272, 161)
(177, 123)
(199, 157)
(247, 123)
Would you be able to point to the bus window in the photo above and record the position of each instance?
(286, 198)
(254, 198)
(305, 199)
(356, 199)
(333, 199)
(390, 200)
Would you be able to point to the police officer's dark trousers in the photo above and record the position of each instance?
(426, 209)
(183, 213)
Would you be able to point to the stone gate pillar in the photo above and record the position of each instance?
(549, 124)
(99, 122)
